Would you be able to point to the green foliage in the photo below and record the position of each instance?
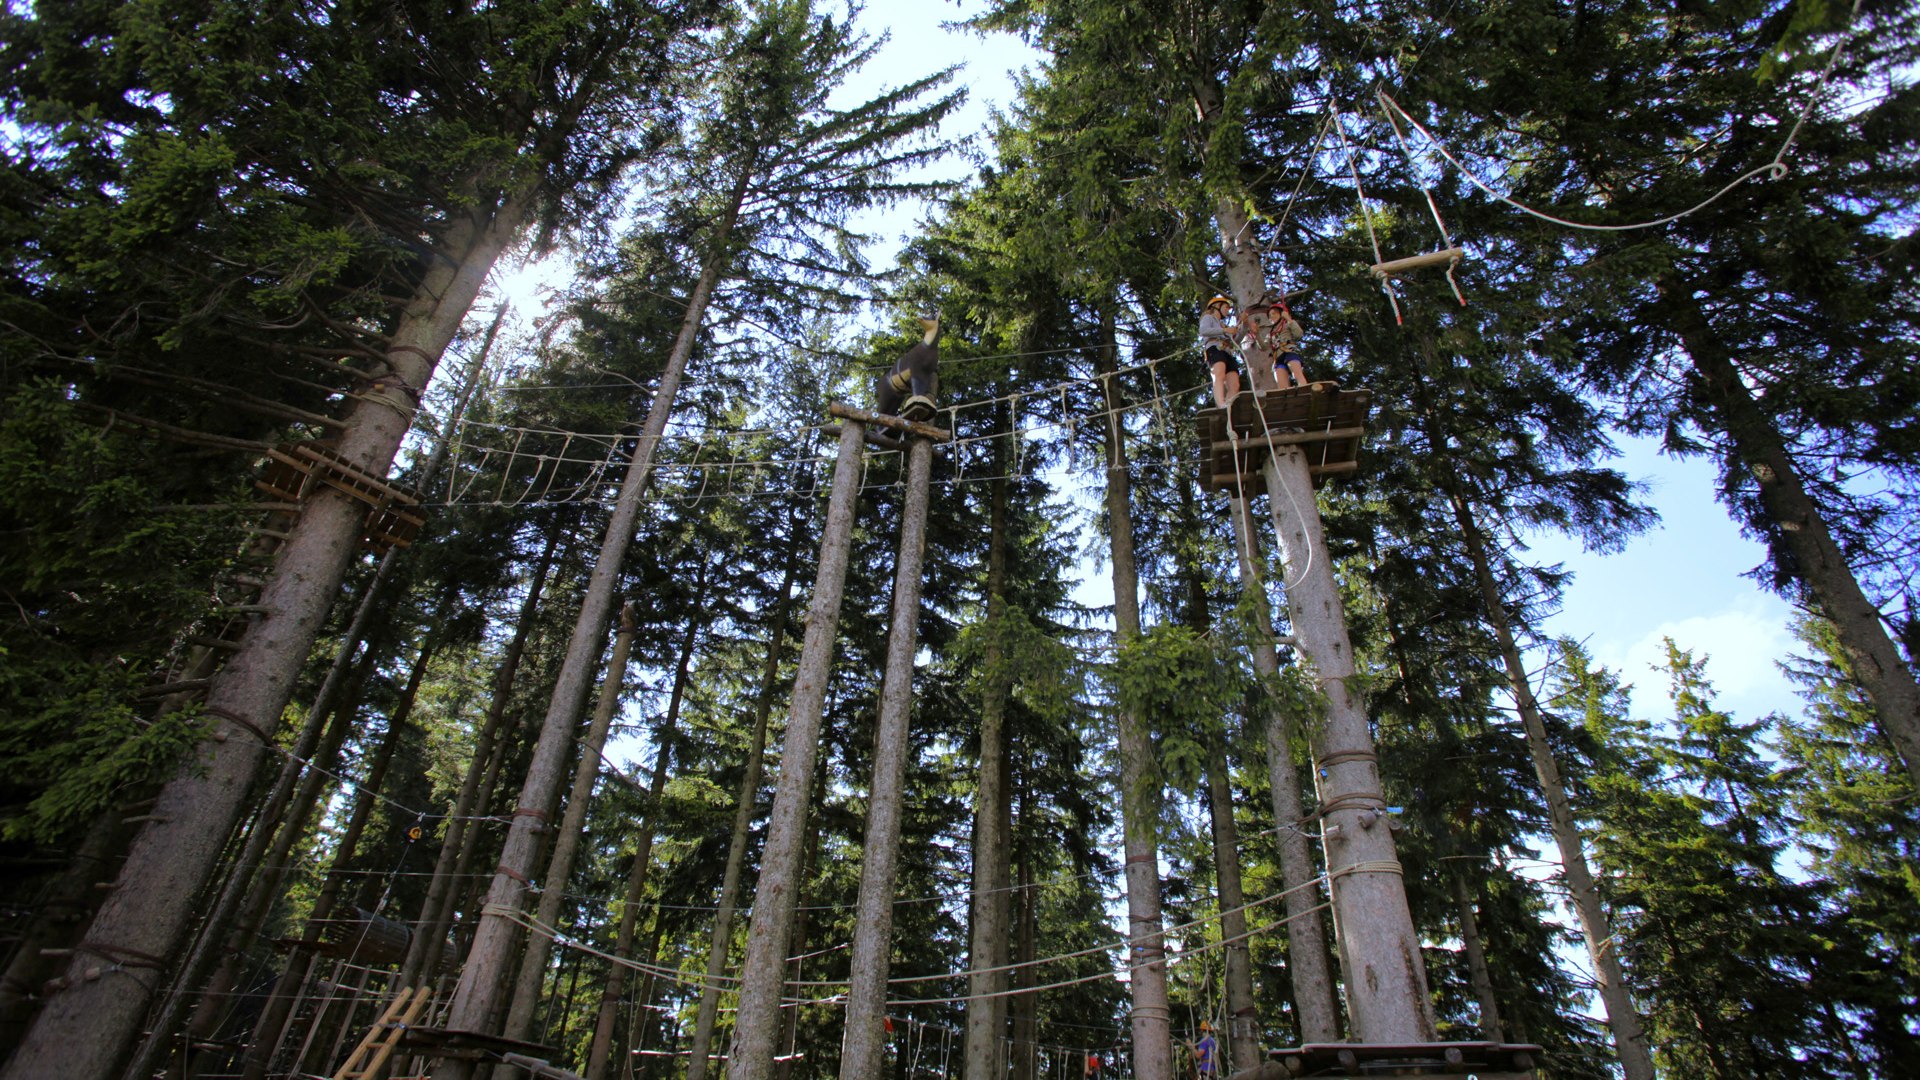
(1721, 941)
(1171, 677)
(1011, 650)
(92, 549)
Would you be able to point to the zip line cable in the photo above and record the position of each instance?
(674, 975)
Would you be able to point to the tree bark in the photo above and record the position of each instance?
(863, 1047)
(292, 819)
(987, 954)
(664, 735)
(1386, 977)
(1025, 1007)
(757, 1023)
(802, 925)
(1629, 1036)
(533, 965)
(1315, 1002)
(1477, 971)
(243, 902)
(494, 937)
(60, 916)
(1139, 796)
(1814, 557)
(1243, 1025)
(1380, 952)
(601, 1049)
(743, 816)
(281, 999)
(88, 1029)
(436, 911)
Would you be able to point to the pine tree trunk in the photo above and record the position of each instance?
(1387, 984)
(863, 1046)
(270, 866)
(436, 911)
(1629, 1037)
(88, 1029)
(757, 1023)
(1139, 794)
(987, 956)
(802, 925)
(1243, 1030)
(495, 935)
(1380, 952)
(1025, 1007)
(1314, 997)
(60, 915)
(601, 1049)
(1813, 556)
(1477, 970)
(286, 990)
(743, 816)
(242, 903)
(533, 966)
(663, 738)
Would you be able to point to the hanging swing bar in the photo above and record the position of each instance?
(1450, 253)
(1385, 270)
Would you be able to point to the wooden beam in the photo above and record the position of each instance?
(1337, 468)
(905, 427)
(1290, 438)
(879, 439)
(1415, 262)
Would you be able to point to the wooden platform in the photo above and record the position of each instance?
(470, 1045)
(1484, 1060)
(296, 470)
(1326, 422)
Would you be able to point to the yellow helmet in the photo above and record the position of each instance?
(1205, 1026)
(1211, 304)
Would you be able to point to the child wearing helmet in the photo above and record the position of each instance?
(1204, 1051)
(1217, 332)
(1285, 341)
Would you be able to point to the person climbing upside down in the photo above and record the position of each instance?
(1216, 339)
(909, 389)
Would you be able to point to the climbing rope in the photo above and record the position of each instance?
(1776, 169)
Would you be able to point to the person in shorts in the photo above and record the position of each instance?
(1217, 331)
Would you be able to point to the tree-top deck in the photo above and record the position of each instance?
(1326, 421)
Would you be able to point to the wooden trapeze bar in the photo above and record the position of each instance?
(1447, 256)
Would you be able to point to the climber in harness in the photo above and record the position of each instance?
(1283, 339)
(1217, 331)
(1204, 1052)
(908, 390)
(1271, 346)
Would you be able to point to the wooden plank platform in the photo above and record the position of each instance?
(1484, 1060)
(295, 470)
(1325, 421)
(470, 1045)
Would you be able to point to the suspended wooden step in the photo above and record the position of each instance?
(1326, 422)
(1485, 1060)
(1444, 257)
(296, 471)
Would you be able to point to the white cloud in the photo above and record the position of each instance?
(1743, 645)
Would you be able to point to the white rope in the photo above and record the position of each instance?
(1773, 170)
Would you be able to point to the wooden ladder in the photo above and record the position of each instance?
(370, 1057)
